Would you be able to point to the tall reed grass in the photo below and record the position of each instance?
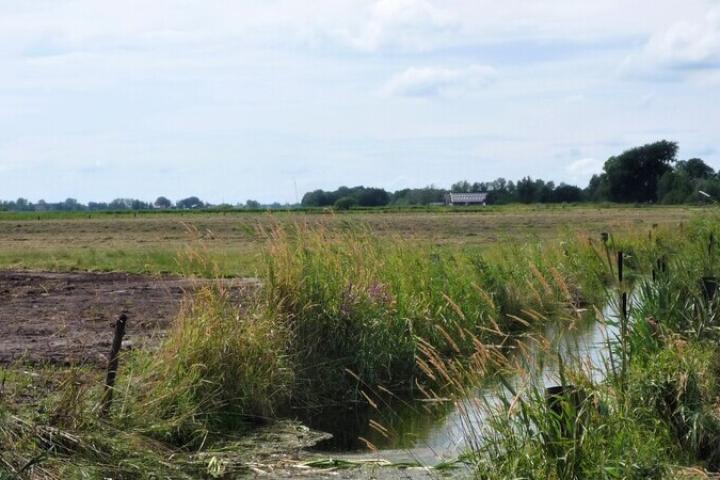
(656, 417)
(340, 313)
(359, 309)
(224, 367)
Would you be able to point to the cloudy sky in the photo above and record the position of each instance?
(266, 99)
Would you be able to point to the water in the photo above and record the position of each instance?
(430, 434)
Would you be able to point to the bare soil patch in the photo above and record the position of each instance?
(68, 318)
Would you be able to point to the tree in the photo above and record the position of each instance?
(418, 196)
(71, 205)
(633, 175)
(527, 190)
(462, 186)
(345, 203)
(683, 183)
(190, 202)
(500, 192)
(695, 168)
(372, 197)
(98, 206)
(365, 197)
(544, 191)
(567, 194)
(163, 202)
(252, 204)
(674, 187)
(597, 189)
(22, 204)
(119, 204)
(317, 198)
(139, 205)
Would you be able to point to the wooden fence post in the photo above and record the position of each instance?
(623, 319)
(605, 238)
(112, 368)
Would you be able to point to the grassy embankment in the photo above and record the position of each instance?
(342, 312)
(655, 415)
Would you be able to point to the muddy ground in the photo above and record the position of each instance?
(68, 318)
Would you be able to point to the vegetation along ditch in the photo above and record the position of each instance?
(426, 346)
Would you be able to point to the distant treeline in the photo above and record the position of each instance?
(121, 204)
(499, 191)
(647, 174)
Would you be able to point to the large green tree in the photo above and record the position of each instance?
(163, 202)
(190, 202)
(685, 181)
(633, 175)
(695, 168)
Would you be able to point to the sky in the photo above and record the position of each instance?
(268, 99)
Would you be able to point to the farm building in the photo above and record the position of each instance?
(465, 198)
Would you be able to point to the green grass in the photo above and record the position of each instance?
(149, 242)
(345, 311)
(223, 368)
(358, 307)
(656, 418)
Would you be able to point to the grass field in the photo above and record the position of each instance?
(356, 308)
(150, 242)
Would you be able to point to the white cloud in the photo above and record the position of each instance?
(439, 81)
(581, 170)
(424, 25)
(264, 87)
(408, 24)
(361, 25)
(367, 25)
(686, 44)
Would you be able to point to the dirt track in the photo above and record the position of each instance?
(68, 318)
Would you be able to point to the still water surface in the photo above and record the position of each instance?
(416, 433)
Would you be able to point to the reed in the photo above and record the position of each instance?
(360, 307)
(224, 367)
(655, 416)
(343, 312)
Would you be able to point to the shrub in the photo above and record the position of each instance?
(345, 203)
(680, 385)
(222, 367)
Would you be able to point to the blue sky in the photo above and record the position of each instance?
(259, 100)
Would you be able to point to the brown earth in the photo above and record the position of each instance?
(68, 318)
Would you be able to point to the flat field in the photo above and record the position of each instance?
(67, 316)
(153, 242)
(353, 300)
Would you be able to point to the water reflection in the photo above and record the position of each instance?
(431, 433)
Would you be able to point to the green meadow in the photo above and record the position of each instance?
(356, 308)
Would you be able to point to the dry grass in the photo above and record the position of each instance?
(343, 308)
(149, 242)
